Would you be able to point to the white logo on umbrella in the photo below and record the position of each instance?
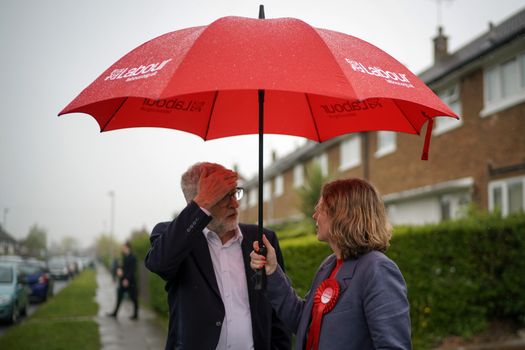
(140, 72)
(390, 77)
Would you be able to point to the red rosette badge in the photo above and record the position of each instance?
(325, 299)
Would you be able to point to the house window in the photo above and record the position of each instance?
(504, 85)
(491, 86)
(322, 160)
(451, 97)
(445, 209)
(244, 203)
(386, 143)
(510, 83)
(497, 198)
(253, 197)
(298, 175)
(278, 186)
(350, 152)
(516, 197)
(507, 195)
(267, 191)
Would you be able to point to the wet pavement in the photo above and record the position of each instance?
(122, 333)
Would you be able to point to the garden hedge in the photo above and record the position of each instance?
(461, 275)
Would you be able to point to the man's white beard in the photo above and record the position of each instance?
(222, 226)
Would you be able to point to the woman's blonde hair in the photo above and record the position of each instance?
(359, 221)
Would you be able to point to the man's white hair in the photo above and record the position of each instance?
(189, 181)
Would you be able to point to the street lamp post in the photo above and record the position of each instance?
(4, 221)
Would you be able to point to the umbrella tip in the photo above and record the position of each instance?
(261, 12)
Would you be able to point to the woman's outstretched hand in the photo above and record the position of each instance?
(259, 261)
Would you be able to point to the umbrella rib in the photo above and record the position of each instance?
(313, 118)
(408, 119)
(211, 113)
(113, 115)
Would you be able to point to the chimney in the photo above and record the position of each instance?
(440, 46)
(492, 33)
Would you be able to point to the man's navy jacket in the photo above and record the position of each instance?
(179, 254)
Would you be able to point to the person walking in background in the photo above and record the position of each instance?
(203, 255)
(358, 298)
(127, 282)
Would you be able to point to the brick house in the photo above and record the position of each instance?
(479, 159)
(8, 245)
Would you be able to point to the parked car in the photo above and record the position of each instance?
(13, 293)
(37, 278)
(59, 268)
(11, 258)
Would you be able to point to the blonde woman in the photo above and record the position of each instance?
(358, 298)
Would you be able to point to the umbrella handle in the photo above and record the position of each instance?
(259, 278)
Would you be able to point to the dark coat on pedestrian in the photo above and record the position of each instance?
(129, 267)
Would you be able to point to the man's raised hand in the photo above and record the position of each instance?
(214, 186)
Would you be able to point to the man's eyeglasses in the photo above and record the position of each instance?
(237, 193)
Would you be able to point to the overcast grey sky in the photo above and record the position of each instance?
(57, 172)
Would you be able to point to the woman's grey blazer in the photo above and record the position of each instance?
(372, 311)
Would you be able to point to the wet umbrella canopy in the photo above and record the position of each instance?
(205, 80)
(241, 76)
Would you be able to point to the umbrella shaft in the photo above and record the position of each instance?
(261, 169)
(260, 275)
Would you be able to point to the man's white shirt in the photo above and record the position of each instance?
(228, 264)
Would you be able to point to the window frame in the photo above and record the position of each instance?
(267, 191)
(494, 73)
(253, 197)
(384, 149)
(298, 175)
(504, 185)
(451, 96)
(345, 164)
(278, 185)
(322, 161)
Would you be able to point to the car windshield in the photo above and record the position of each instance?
(30, 269)
(57, 264)
(6, 274)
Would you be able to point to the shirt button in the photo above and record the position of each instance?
(218, 323)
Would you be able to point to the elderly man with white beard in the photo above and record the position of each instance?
(203, 255)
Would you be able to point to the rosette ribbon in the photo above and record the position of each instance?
(325, 299)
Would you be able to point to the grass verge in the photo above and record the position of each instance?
(64, 322)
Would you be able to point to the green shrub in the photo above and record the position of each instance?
(140, 244)
(460, 275)
(157, 296)
(302, 257)
(293, 229)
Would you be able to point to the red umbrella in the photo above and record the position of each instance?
(218, 80)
